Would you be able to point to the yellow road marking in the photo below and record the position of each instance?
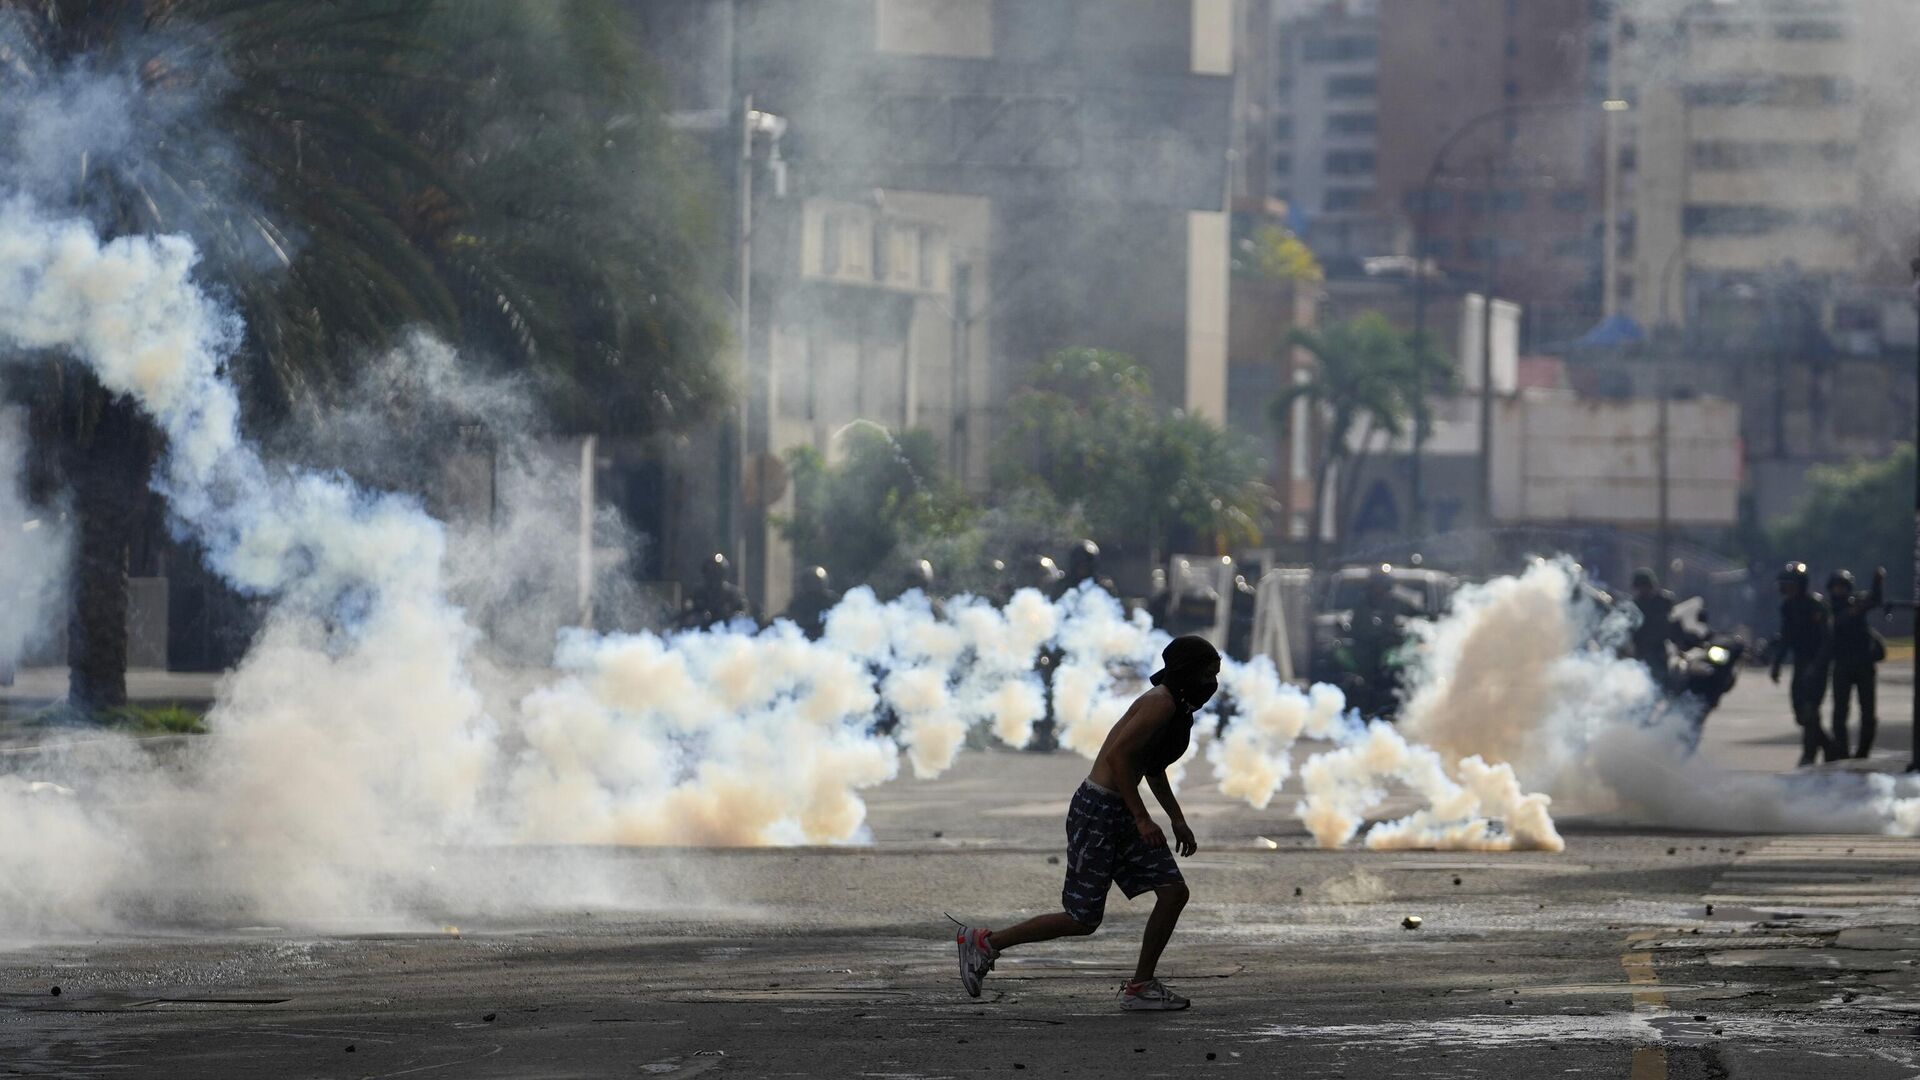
(1649, 1062)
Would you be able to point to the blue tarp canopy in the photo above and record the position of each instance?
(1612, 332)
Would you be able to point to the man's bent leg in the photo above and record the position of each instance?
(1059, 924)
(1167, 902)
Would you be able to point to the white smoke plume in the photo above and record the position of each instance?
(353, 742)
(1520, 675)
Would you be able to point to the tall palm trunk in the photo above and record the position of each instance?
(107, 471)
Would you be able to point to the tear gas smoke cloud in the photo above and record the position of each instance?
(1571, 718)
(353, 740)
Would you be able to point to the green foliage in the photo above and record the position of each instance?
(1277, 254)
(493, 169)
(1855, 516)
(1367, 378)
(1088, 433)
(171, 718)
(885, 496)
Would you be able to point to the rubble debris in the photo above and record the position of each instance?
(1411, 922)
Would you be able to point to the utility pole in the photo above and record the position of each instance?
(1913, 753)
(1486, 369)
(736, 506)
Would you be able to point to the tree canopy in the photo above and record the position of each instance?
(884, 496)
(1087, 431)
(1855, 516)
(494, 170)
(1368, 379)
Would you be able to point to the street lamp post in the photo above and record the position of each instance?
(1422, 222)
(1913, 753)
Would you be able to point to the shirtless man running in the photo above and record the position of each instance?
(1111, 839)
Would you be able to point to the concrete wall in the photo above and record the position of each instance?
(1560, 459)
(1207, 314)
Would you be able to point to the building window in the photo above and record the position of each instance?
(1283, 128)
(1810, 31)
(1283, 164)
(1348, 198)
(1352, 86)
(1732, 155)
(1723, 29)
(1509, 202)
(1508, 248)
(1438, 247)
(1350, 163)
(1571, 247)
(1762, 220)
(882, 257)
(928, 272)
(1336, 49)
(1352, 124)
(1788, 91)
(830, 244)
(1572, 202)
(1437, 201)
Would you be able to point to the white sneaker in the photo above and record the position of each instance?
(1152, 996)
(977, 955)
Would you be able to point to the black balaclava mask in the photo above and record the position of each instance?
(1192, 670)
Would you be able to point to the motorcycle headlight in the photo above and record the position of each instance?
(1718, 654)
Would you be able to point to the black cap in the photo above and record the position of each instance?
(1644, 577)
(1840, 577)
(1183, 655)
(1794, 571)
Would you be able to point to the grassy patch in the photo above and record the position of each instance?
(168, 718)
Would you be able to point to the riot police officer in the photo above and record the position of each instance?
(1657, 627)
(1083, 565)
(813, 597)
(717, 600)
(1806, 626)
(1857, 651)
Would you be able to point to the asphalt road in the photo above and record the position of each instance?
(1602, 961)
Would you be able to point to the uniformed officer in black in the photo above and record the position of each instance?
(1083, 565)
(1806, 628)
(1856, 652)
(717, 600)
(813, 597)
(1657, 627)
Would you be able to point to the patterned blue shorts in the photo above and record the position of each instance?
(1104, 849)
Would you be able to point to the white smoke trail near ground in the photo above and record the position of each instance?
(352, 741)
(1509, 678)
(1471, 805)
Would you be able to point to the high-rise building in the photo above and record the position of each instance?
(1321, 119)
(970, 185)
(1491, 110)
(1745, 165)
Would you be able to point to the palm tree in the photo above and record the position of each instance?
(348, 168)
(1368, 379)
